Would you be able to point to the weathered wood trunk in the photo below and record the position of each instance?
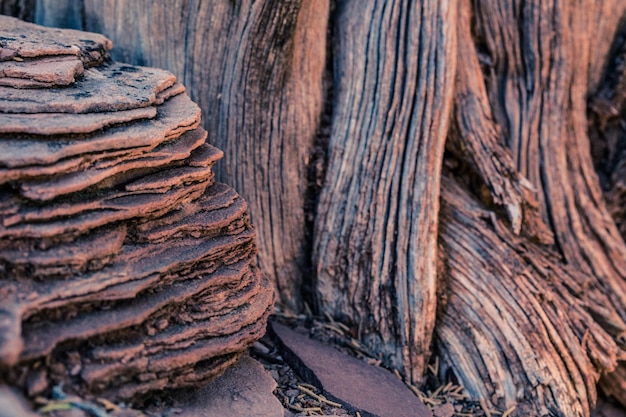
(531, 95)
(375, 234)
(520, 278)
(514, 332)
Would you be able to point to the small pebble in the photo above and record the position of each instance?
(274, 374)
(261, 348)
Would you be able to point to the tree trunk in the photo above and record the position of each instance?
(375, 235)
(519, 280)
(514, 331)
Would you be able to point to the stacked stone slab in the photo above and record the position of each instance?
(124, 268)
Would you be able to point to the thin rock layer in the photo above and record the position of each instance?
(124, 267)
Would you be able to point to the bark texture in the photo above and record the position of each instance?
(515, 89)
(540, 91)
(23, 9)
(375, 233)
(608, 148)
(255, 68)
(515, 331)
(607, 129)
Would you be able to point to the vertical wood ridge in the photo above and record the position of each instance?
(374, 247)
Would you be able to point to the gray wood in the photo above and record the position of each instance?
(531, 257)
(62, 13)
(24, 9)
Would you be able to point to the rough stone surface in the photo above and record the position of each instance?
(110, 87)
(63, 123)
(179, 149)
(174, 117)
(124, 267)
(361, 387)
(243, 390)
(47, 72)
(12, 406)
(26, 40)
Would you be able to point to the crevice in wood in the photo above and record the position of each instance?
(318, 164)
(606, 111)
(537, 88)
(607, 129)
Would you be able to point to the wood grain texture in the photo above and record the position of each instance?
(532, 295)
(540, 90)
(255, 68)
(515, 331)
(375, 231)
(607, 129)
(607, 112)
(477, 139)
(538, 99)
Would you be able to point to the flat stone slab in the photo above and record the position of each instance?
(12, 406)
(176, 116)
(68, 123)
(243, 390)
(66, 219)
(87, 252)
(368, 389)
(41, 72)
(163, 156)
(107, 88)
(26, 40)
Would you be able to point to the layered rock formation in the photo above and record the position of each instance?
(124, 267)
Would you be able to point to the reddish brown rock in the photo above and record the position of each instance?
(107, 88)
(124, 268)
(167, 153)
(63, 123)
(42, 72)
(243, 390)
(368, 389)
(87, 252)
(12, 406)
(176, 116)
(26, 40)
